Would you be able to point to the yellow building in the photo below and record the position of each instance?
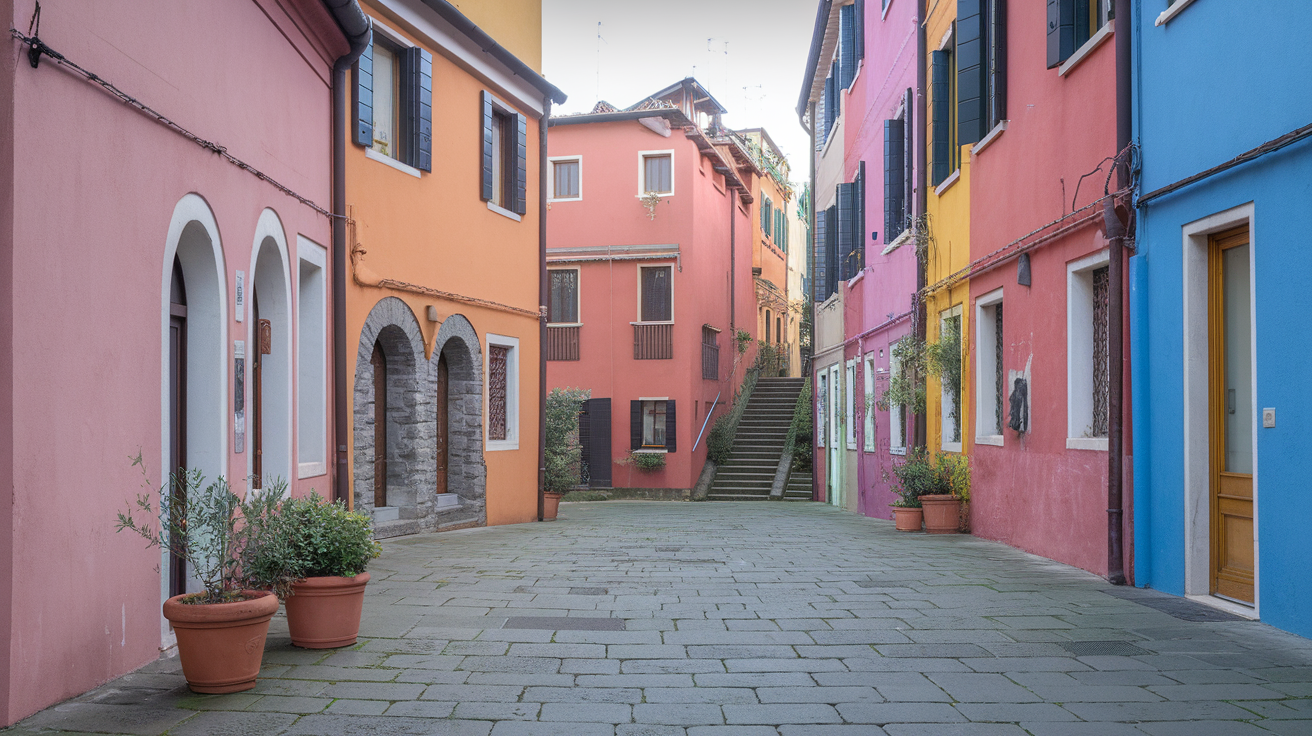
(948, 232)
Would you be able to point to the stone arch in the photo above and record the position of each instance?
(466, 468)
(393, 326)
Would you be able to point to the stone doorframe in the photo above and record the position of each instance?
(466, 468)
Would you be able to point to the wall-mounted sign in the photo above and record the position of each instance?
(241, 297)
(239, 391)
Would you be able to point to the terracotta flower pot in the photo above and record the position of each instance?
(550, 505)
(942, 513)
(221, 644)
(324, 613)
(907, 520)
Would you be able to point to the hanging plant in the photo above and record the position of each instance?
(650, 200)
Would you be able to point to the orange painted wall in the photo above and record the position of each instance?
(515, 24)
(436, 232)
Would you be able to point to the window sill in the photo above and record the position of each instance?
(897, 450)
(989, 439)
(651, 451)
(662, 195)
(947, 183)
(566, 199)
(884, 13)
(499, 445)
(856, 279)
(1088, 48)
(370, 153)
(564, 324)
(666, 322)
(311, 470)
(1171, 12)
(993, 135)
(503, 212)
(1086, 443)
(852, 446)
(951, 447)
(898, 242)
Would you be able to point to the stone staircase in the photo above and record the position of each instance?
(749, 472)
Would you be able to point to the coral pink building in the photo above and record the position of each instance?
(650, 268)
(137, 267)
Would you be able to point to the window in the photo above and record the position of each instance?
(896, 216)
(778, 330)
(505, 157)
(565, 179)
(657, 172)
(849, 390)
(710, 353)
(767, 325)
(502, 392)
(766, 215)
(312, 360)
(981, 67)
(1087, 370)
(392, 101)
(656, 295)
(990, 373)
(652, 425)
(563, 306)
(822, 407)
(944, 151)
(897, 414)
(1071, 24)
(868, 372)
(949, 336)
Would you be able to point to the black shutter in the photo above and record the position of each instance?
(486, 179)
(362, 99)
(861, 217)
(671, 428)
(846, 228)
(860, 23)
(820, 278)
(597, 442)
(415, 110)
(1061, 31)
(972, 71)
(830, 106)
(423, 158)
(996, 27)
(908, 156)
(941, 113)
(521, 164)
(894, 186)
(635, 425)
(847, 45)
(831, 248)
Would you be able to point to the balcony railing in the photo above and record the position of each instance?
(563, 342)
(653, 341)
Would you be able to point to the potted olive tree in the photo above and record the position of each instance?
(949, 479)
(914, 479)
(220, 629)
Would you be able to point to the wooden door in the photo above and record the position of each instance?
(443, 396)
(257, 393)
(177, 467)
(594, 435)
(1232, 414)
(380, 426)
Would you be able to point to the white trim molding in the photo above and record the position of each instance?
(987, 418)
(1088, 48)
(1171, 12)
(1079, 351)
(642, 180)
(384, 159)
(992, 135)
(551, 178)
(511, 442)
(311, 359)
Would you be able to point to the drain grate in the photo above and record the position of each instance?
(1103, 649)
(564, 623)
(587, 591)
(1181, 608)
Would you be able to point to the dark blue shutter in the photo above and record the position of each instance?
(894, 185)
(972, 80)
(820, 278)
(861, 217)
(635, 425)
(671, 428)
(831, 104)
(846, 229)
(940, 66)
(486, 178)
(909, 129)
(594, 433)
(362, 99)
(831, 247)
(847, 45)
(521, 164)
(818, 122)
(423, 159)
(415, 109)
(1061, 31)
(860, 23)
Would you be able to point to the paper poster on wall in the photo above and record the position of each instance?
(239, 394)
(240, 302)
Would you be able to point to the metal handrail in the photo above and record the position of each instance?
(707, 420)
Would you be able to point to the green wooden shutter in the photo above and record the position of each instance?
(424, 114)
(415, 108)
(894, 186)
(860, 28)
(847, 46)
(972, 80)
(846, 230)
(521, 164)
(820, 277)
(1061, 31)
(486, 179)
(941, 114)
(362, 99)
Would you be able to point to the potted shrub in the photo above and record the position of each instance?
(331, 547)
(950, 482)
(914, 478)
(221, 629)
(564, 451)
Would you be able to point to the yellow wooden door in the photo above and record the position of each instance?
(1231, 404)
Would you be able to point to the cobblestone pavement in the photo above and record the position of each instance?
(682, 619)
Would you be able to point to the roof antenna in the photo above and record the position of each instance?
(600, 41)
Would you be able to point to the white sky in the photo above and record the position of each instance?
(648, 46)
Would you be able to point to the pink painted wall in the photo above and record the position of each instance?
(697, 218)
(885, 290)
(89, 188)
(1060, 128)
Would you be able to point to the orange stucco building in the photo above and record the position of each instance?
(442, 323)
(767, 171)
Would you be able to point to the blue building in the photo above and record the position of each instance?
(1220, 290)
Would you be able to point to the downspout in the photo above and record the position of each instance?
(358, 30)
(733, 269)
(543, 289)
(1116, 317)
(922, 197)
(810, 300)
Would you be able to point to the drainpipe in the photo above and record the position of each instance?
(1116, 317)
(356, 26)
(733, 268)
(543, 289)
(922, 197)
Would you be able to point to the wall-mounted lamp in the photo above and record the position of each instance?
(432, 314)
(1023, 269)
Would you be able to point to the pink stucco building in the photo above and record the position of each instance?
(137, 268)
(650, 266)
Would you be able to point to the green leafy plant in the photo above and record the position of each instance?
(943, 360)
(906, 386)
(916, 360)
(744, 339)
(564, 451)
(801, 432)
(646, 461)
(325, 538)
(920, 475)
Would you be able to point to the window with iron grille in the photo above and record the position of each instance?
(710, 353)
(1087, 369)
(999, 382)
(1100, 358)
(563, 307)
(989, 375)
(498, 359)
(657, 297)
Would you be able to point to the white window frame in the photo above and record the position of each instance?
(822, 416)
(985, 370)
(578, 295)
(638, 313)
(551, 180)
(868, 402)
(395, 39)
(1079, 352)
(897, 439)
(642, 174)
(654, 449)
(511, 442)
(311, 361)
(835, 399)
(945, 417)
(849, 402)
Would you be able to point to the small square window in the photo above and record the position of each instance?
(657, 173)
(563, 306)
(565, 179)
(653, 424)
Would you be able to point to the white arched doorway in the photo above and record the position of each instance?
(193, 355)
(269, 357)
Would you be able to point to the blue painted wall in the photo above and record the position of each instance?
(1217, 80)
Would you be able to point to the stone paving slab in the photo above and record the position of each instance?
(680, 619)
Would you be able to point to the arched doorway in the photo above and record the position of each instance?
(270, 357)
(456, 384)
(177, 408)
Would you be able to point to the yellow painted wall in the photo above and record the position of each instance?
(515, 24)
(949, 218)
(436, 232)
